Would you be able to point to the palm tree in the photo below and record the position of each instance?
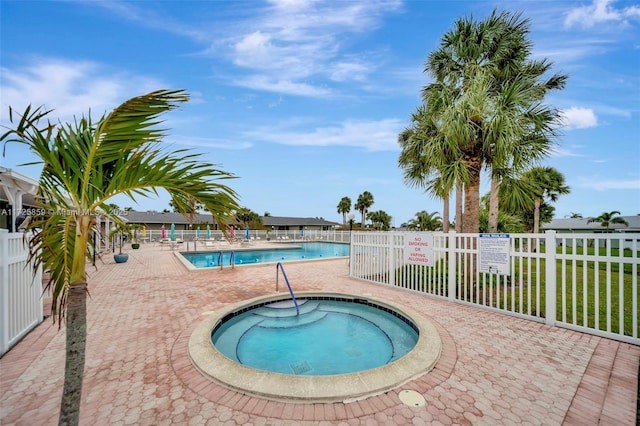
(365, 200)
(86, 164)
(248, 216)
(609, 218)
(344, 207)
(427, 161)
(425, 221)
(188, 205)
(547, 184)
(486, 99)
(380, 220)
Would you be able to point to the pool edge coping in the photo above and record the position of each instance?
(314, 389)
(192, 268)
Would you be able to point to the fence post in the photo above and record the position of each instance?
(391, 255)
(451, 259)
(550, 277)
(4, 290)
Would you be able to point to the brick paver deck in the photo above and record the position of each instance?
(494, 369)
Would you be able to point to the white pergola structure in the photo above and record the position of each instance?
(16, 186)
(20, 190)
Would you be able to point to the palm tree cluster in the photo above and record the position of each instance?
(380, 219)
(484, 111)
(365, 200)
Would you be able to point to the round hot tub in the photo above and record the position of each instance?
(331, 347)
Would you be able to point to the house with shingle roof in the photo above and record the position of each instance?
(580, 225)
(153, 220)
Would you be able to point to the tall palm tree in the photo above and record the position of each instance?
(365, 200)
(344, 207)
(486, 99)
(547, 184)
(606, 219)
(86, 164)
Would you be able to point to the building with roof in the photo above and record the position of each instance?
(153, 220)
(581, 225)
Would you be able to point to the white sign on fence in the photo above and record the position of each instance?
(418, 248)
(494, 253)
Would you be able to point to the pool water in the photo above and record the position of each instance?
(327, 337)
(299, 251)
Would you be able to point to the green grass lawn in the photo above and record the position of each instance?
(586, 281)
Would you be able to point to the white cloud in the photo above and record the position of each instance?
(349, 71)
(253, 50)
(70, 88)
(603, 185)
(381, 135)
(302, 42)
(571, 151)
(578, 118)
(273, 84)
(210, 142)
(600, 11)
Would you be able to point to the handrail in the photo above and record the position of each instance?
(295, 302)
(232, 259)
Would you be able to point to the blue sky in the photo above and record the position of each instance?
(303, 100)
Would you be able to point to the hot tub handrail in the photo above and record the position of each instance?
(295, 302)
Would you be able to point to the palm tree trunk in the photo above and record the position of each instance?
(494, 204)
(536, 216)
(459, 192)
(75, 355)
(445, 214)
(472, 203)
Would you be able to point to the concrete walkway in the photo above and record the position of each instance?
(494, 369)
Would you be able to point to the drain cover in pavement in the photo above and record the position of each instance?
(412, 398)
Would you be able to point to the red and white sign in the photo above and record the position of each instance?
(418, 248)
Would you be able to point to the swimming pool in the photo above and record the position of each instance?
(306, 388)
(327, 336)
(298, 251)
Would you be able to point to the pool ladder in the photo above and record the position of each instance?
(284, 274)
(232, 259)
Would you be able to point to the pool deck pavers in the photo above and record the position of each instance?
(494, 369)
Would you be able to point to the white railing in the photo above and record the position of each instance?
(20, 290)
(553, 278)
(275, 235)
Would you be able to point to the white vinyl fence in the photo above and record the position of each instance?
(20, 290)
(584, 282)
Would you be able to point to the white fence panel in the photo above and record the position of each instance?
(559, 279)
(20, 290)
